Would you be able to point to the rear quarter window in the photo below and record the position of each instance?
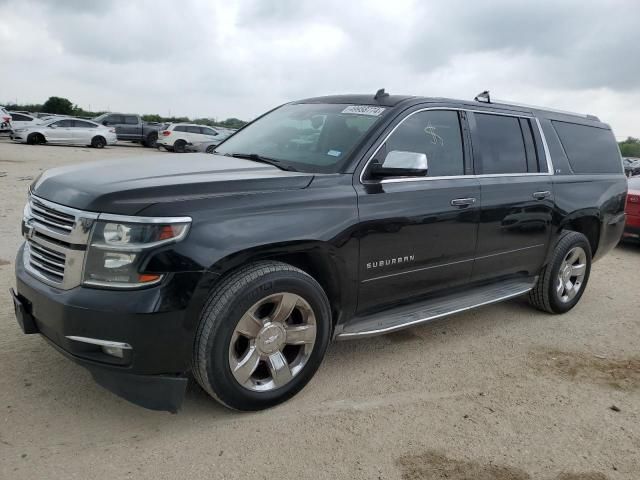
(589, 149)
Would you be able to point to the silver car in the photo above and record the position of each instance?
(67, 131)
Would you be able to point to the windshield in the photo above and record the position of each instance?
(309, 137)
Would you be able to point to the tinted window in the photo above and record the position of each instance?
(192, 129)
(131, 120)
(209, 131)
(180, 128)
(114, 119)
(63, 123)
(83, 124)
(16, 117)
(501, 144)
(435, 133)
(589, 149)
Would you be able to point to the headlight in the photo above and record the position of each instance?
(117, 250)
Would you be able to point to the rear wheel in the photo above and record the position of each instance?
(178, 147)
(262, 336)
(98, 142)
(563, 281)
(152, 140)
(210, 149)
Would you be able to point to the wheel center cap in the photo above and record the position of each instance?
(566, 274)
(271, 338)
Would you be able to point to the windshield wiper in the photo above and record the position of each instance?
(259, 158)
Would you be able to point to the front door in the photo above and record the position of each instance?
(418, 235)
(516, 192)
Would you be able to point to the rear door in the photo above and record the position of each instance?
(83, 132)
(517, 195)
(418, 234)
(131, 128)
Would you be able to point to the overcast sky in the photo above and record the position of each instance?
(236, 59)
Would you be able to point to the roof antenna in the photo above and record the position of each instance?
(380, 94)
(483, 97)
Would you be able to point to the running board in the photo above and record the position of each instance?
(410, 315)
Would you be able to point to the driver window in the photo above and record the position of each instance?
(437, 134)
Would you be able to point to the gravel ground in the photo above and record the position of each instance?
(500, 393)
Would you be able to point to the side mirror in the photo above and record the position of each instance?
(402, 164)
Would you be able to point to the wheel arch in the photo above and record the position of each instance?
(316, 258)
(588, 223)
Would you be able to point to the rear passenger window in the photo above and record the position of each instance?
(180, 128)
(82, 124)
(589, 149)
(501, 144)
(192, 129)
(437, 134)
(16, 117)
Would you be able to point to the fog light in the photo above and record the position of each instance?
(113, 351)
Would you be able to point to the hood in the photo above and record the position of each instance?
(127, 186)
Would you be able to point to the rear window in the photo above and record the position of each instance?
(589, 149)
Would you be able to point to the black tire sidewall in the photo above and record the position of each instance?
(179, 145)
(577, 240)
(222, 381)
(98, 142)
(151, 140)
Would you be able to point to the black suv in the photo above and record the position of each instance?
(328, 218)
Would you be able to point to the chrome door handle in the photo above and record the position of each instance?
(462, 202)
(541, 195)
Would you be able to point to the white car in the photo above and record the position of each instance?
(69, 131)
(177, 135)
(23, 120)
(5, 120)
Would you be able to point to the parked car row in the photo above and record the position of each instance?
(106, 129)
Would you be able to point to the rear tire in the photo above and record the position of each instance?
(564, 279)
(249, 353)
(210, 149)
(151, 141)
(178, 147)
(98, 142)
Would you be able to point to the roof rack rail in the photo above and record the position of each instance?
(484, 98)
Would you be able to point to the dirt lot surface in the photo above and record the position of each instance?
(500, 393)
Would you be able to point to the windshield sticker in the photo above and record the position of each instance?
(334, 153)
(364, 110)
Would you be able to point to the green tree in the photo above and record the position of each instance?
(630, 147)
(232, 123)
(58, 105)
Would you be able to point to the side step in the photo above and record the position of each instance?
(410, 315)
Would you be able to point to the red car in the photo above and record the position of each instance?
(632, 226)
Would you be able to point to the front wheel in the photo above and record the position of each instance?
(262, 336)
(564, 279)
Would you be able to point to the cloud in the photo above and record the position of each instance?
(215, 58)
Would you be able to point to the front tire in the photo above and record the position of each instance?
(36, 139)
(262, 335)
(564, 279)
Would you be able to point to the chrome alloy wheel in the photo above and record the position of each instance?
(571, 274)
(272, 342)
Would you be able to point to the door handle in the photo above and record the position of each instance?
(541, 195)
(462, 202)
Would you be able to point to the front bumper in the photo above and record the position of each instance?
(160, 332)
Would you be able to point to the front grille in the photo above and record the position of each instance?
(47, 262)
(56, 240)
(51, 218)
